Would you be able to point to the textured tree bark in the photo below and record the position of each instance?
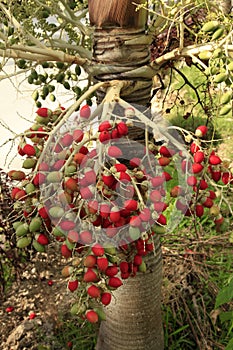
(133, 319)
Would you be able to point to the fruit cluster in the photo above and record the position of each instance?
(102, 202)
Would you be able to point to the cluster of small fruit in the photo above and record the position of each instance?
(207, 175)
(103, 213)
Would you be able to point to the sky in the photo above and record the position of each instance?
(17, 112)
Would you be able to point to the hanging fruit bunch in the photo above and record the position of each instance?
(103, 196)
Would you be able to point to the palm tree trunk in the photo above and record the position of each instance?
(133, 319)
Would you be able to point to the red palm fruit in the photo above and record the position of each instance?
(29, 150)
(157, 181)
(85, 111)
(115, 134)
(122, 129)
(39, 179)
(43, 166)
(73, 236)
(97, 249)
(125, 275)
(93, 206)
(227, 178)
(111, 271)
(194, 147)
(111, 231)
(135, 221)
(119, 167)
(201, 131)
(78, 135)
(84, 150)
(135, 162)
(104, 210)
(67, 225)
(160, 206)
(131, 204)
(42, 239)
(104, 136)
(14, 191)
(155, 196)
(73, 285)
(91, 275)
(102, 263)
(176, 191)
(44, 112)
(20, 195)
(197, 168)
(71, 184)
(207, 202)
(90, 176)
(20, 151)
(65, 251)
(114, 152)
(199, 210)
(137, 260)
(92, 316)
(163, 161)
(191, 180)
(80, 158)
(180, 205)
(96, 220)
(43, 212)
(150, 247)
(86, 192)
(186, 165)
(212, 194)
(9, 309)
(203, 185)
(93, 291)
(162, 220)
(124, 267)
(214, 159)
(145, 214)
(166, 176)
(86, 237)
(123, 176)
(108, 179)
(105, 125)
(89, 261)
(216, 175)
(114, 214)
(115, 282)
(41, 134)
(199, 156)
(67, 140)
(58, 164)
(106, 298)
(166, 152)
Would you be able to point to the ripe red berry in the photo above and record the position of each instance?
(29, 150)
(32, 315)
(44, 112)
(42, 239)
(214, 159)
(9, 309)
(89, 261)
(85, 237)
(97, 249)
(114, 152)
(216, 175)
(111, 271)
(131, 204)
(91, 275)
(114, 214)
(201, 131)
(155, 196)
(72, 285)
(137, 260)
(78, 135)
(199, 210)
(102, 264)
(191, 180)
(105, 125)
(197, 168)
(194, 148)
(114, 282)
(104, 136)
(85, 111)
(135, 162)
(106, 298)
(122, 128)
(199, 156)
(124, 266)
(163, 161)
(67, 225)
(93, 291)
(65, 251)
(92, 316)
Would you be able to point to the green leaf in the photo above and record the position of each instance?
(226, 316)
(225, 295)
(229, 345)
